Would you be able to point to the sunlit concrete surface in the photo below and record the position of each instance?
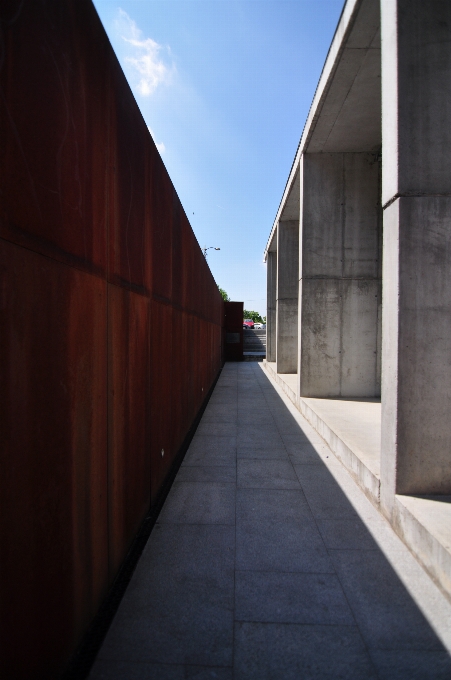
(268, 561)
(351, 427)
(357, 423)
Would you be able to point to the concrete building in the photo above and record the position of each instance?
(359, 266)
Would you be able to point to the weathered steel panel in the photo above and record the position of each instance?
(131, 154)
(53, 113)
(177, 253)
(178, 361)
(53, 459)
(128, 419)
(189, 244)
(233, 331)
(97, 378)
(161, 394)
(161, 207)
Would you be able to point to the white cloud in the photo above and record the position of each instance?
(160, 146)
(143, 56)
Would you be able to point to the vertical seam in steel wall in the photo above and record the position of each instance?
(107, 279)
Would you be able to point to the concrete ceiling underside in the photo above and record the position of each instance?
(348, 117)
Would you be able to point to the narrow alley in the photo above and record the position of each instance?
(268, 562)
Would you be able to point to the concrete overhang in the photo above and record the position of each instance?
(345, 115)
(272, 244)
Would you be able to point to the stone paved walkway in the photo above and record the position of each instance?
(268, 562)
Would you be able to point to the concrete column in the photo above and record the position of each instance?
(287, 296)
(416, 196)
(340, 275)
(271, 282)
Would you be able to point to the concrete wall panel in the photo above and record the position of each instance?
(320, 338)
(341, 221)
(322, 215)
(362, 229)
(287, 296)
(271, 297)
(340, 275)
(339, 354)
(359, 354)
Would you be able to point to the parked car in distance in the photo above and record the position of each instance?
(248, 323)
(259, 326)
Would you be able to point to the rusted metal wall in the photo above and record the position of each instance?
(233, 330)
(110, 327)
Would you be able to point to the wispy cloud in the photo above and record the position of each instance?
(144, 56)
(160, 146)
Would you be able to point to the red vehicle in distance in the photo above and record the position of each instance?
(248, 323)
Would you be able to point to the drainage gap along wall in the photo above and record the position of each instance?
(110, 327)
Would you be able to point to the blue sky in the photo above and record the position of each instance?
(225, 87)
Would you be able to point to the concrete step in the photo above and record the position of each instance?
(352, 429)
(254, 341)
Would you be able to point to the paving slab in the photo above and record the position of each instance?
(178, 607)
(269, 474)
(259, 437)
(206, 450)
(277, 597)
(293, 545)
(261, 452)
(199, 503)
(271, 505)
(130, 670)
(412, 665)
(207, 473)
(326, 499)
(387, 616)
(271, 651)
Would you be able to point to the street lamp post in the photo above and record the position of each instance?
(204, 250)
